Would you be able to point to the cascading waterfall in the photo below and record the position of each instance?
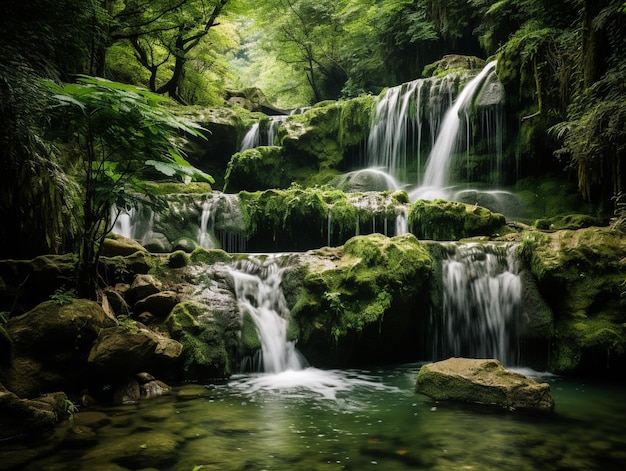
(259, 294)
(482, 294)
(436, 174)
(252, 138)
(396, 132)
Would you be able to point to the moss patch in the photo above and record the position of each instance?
(581, 275)
(447, 220)
(351, 287)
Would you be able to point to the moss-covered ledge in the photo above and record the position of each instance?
(363, 301)
(449, 220)
(582, 276)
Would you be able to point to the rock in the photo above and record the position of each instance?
(153, 389)
(116, 301)
(138, 451)
(51, 344)
(120, 351)
(127, 393)
(160, 304)
(453, 63)
(120, 245)
(18, 416)
(80, 436)
(482, 382)
(142, 287)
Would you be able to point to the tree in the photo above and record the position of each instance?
(163, 35)
(117, 132)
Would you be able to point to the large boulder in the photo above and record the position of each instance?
(18, 416)
(482, 381)
(122, 350)
(580, 274)
(50, 345)
(362, 301)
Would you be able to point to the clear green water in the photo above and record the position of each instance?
(355, 420)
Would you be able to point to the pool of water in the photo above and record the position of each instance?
(332, 420)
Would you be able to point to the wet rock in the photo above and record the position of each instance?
(80, 436)
(116, 301)
(120, 351)
(91, 419)
(139, 450)
(120, 245)
(142, 287)
(160, 304)
(51, 344)
(127, 393)
(482, 382)
(154, 389)
(18, 416)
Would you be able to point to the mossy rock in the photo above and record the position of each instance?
(360, 293)
(209, 256)
(447, 220)
(178, 259)
(323, 135)
(581, 275)
(204, 353)
(259, 168)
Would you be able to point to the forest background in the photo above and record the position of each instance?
(561, 61)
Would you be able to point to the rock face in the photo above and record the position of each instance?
(482, 382)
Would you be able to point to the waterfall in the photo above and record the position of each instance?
(395, 136)
(436, 174)
(481, 303)
(275, 122)
(259, 293)
(252, 138)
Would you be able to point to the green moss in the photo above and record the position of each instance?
(178, 259)
(249, 336)
(580, 274)
(209, 256)
(168, 188)
(347, 289)
(257, 169)
(447, 220)
(204, 353)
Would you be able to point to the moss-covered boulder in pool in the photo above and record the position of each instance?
(482, 381)
(582, 274)
(363, 301)
(448, 220)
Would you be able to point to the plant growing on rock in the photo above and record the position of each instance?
(120, 136)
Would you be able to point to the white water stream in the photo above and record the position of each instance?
(482, 295)
(437, 170)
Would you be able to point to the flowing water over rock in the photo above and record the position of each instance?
(259, 294)
(482, 296)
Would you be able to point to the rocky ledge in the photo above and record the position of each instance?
(482, 382)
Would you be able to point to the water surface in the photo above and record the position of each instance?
(332, 420)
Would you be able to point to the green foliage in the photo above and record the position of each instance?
(119, 132)
(70, 408)
(63, 296)
(125, 322)
(178, 45)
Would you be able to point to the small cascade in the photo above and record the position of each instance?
(395, 137)
(482, 294)
(436, 174)
(402, 221)
(207, 220)
(252, 138)
(259, 294)
(275, 122)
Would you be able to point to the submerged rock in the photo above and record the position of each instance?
(482, 382)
